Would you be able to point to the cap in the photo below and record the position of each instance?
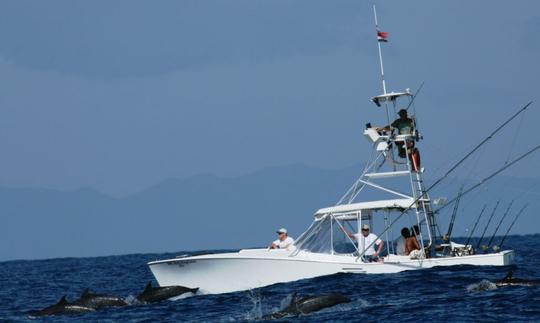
(365, 227)
(282, 230)
(402, 111)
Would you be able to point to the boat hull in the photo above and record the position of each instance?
(231, 272)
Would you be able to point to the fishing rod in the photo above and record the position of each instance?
(500, 222)
(475, 224)
(457, 165)
(453, 218)
(511, 225)
(487, 225)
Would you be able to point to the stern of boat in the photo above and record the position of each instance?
(508, 257)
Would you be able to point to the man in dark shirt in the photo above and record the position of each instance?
(404, 126)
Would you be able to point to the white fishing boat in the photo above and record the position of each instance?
(325, 248)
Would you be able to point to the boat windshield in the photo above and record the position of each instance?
(327, 236)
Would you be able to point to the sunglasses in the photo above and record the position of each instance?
(365, 229)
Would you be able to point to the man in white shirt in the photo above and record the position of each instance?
(367, 241)
(283, 241)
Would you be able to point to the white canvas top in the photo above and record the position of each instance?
(389, 97)
(368, 206)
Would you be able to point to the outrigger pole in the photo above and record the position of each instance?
(492, 175)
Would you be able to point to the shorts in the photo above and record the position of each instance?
(371, 258)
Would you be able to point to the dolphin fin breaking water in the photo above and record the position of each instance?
(308, 304)
(157, 294)
(509, 280)
(61, 308)
(98, 301)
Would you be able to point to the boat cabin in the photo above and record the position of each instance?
(327, 234)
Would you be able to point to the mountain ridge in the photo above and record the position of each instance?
(203, 211)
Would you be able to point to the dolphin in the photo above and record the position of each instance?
(509, 280)
(308, 304)
(60, 308)
(98, 301)
(158, 294)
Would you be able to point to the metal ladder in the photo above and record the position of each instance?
(424, 210)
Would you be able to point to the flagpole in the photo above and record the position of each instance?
(381, 63)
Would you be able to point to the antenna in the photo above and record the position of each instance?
(379, 45)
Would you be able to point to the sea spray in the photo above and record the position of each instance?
(481, 286)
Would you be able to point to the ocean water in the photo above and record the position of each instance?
(459, 294)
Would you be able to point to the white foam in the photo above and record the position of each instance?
(131, 300)
(256, 311)
(481, 286)
(182, 296)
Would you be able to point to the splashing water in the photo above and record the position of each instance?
(285, 302)
(256, 311)
(182, 296)
(131, 300)
(481, 286)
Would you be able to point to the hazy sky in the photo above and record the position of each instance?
(119, 95)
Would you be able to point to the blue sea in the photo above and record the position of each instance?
(456, 294)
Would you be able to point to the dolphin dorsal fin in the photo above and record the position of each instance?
(85, 292)
(62, 301)
(148, 287)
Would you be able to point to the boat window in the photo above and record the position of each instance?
(342, 243)
(327, 236)
(317, 238)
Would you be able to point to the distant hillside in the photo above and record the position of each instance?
(199, 212)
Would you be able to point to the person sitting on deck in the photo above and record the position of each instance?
(411, 244)
(366, 242)
(405, 126)
(400, 242)
(417, 253)
(283, 241)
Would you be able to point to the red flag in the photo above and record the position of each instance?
(382, 36)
